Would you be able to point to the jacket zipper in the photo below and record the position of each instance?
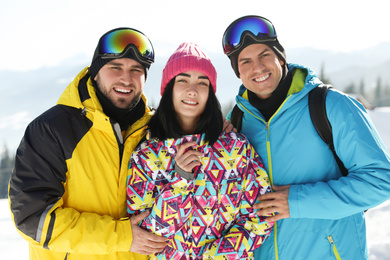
(333, 245)
(269, 166)
(271, 180)
(119, 139)
(270, 162)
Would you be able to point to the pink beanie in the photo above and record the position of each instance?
(189, 56)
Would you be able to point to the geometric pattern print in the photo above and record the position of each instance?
(210, 216)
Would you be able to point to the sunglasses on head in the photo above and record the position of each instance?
(114, 44)
(259, 27)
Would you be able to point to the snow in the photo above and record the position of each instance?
(12, 246)
(378, 232)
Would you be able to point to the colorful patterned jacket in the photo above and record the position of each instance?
(211, 216)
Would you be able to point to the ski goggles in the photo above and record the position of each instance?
(114, 44)
(261, 29)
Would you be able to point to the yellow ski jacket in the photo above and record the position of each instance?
(67, 193)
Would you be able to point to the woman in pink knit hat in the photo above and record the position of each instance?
(198, 182)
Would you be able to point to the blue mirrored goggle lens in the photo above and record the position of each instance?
(258, 26)
(116, 42)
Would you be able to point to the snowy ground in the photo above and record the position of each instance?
(12, 246)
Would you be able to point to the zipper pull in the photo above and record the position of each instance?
(118, 132)
(334, 249)
(84, 111)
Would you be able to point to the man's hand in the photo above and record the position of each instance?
(228, 126)
(144, 242)
(274, 202)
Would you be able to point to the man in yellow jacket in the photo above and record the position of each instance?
(68, 190)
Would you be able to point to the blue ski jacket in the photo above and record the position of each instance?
(326, 209)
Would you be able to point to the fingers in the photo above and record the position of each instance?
(274, 203)
(155, 241)
(274, 218)
(264, 204)
(158, 240)
(145, 242)
(267, 196)
(227, 126)
(187, 158)
(278, 213)
(183, 147)
(280, 192)
(134, 220)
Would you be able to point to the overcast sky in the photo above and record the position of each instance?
(45, 32)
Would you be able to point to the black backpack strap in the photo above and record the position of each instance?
(317, 108)
(236, 118)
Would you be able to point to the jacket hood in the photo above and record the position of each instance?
(71, 96)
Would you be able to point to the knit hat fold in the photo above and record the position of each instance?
(188, 56)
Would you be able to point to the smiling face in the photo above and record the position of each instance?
(190, 95)
(122, 82)
(260, 69)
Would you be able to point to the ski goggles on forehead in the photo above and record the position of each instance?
(114, 44)
(260, 27)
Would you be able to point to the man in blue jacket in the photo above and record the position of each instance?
(320, 212)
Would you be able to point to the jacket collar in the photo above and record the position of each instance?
(172, 143)
(81, 94)
(304, 80)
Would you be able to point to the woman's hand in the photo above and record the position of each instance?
(187, 157)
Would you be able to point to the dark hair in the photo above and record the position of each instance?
(164, 123)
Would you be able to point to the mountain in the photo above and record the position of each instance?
(26, 94)
(336, 61)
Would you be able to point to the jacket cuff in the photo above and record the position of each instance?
(182, 173)
(293, 199)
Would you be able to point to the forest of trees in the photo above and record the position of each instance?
(6, 165)
(377, 95)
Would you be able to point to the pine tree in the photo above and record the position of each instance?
(350, 88)
(6, 166)
(361, 88)
(378, 92)
(323, 77)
